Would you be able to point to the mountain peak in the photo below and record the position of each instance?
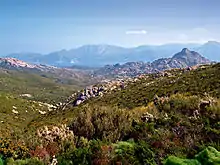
(186, 53)
(190, 58)
(185, 50)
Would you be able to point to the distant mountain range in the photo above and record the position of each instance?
(100, 55)
(183, 59)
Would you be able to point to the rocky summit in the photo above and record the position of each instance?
(183, 59)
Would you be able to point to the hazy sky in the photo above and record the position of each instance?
(49, 25)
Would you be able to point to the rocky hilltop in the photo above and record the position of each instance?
(13, 63)
(183, 59)
(45, 70)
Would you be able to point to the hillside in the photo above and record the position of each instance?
(141, 120)
(16, 112)
(41, 85)
(175, 112)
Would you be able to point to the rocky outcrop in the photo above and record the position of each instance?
(94, 91)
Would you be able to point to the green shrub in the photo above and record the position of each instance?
(172, 160)
(1, 160)
(80, 156)
(215, 108)
(104, 123)
(209, 156)
(182, 103)
(124, 152)
(144, 154)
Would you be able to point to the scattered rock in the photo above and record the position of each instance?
(147, 117)
(54, 161)
(204, 104)
(14, 111)
(42, 112)
(26, 95)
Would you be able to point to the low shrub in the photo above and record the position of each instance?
(80, 156)
(104, 123)
(32, 161)
(124, 152)
(14, 149)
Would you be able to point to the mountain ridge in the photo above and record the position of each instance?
(184, 58)
(100, 55)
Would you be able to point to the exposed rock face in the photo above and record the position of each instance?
(183, 59)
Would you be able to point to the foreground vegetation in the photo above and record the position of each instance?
(172, 120)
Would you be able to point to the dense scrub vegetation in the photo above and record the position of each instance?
(171, 120)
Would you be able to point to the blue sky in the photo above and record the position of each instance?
(49, 25)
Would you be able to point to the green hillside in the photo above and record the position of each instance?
(165, 118)
(44, 87)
